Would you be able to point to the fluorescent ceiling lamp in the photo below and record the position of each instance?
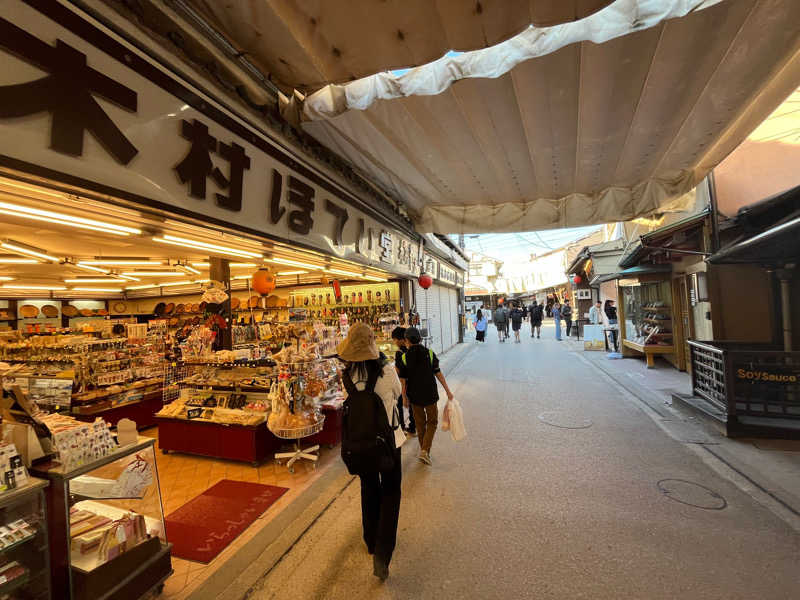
(84, 289)
(6, 278)
(214, 248)
(294, 263)
(89, 268)
(27, 212)
(233, 265)
(16, 247)
(292, 272)
(34, 287)
(373, 278)
(125, 277)
(90, 280)
(153, 274)
(7, 260)
(341, 272)
(175, 283)
(202, 265)
(142, 287)
(240, 277)
(188, 269)
(123, 262)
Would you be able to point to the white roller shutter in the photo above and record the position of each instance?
(455, 318)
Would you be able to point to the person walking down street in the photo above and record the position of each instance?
(516, 321)
(556, 312)
(418, 373)
(480, 327)
(499, 318)
(611, 315)
(508, 319)
(566, 314)
(595, 313)
(365, 369)
(537, 315)
(399, 339)
(531, 314)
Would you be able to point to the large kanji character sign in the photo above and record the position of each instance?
(67, 92)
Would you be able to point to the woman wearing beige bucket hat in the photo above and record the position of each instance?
(367, 370)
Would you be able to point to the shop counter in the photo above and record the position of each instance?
(331, 434)
(142, 412)
(246, 443)
(650, 350)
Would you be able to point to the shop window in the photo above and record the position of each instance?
(648, 313)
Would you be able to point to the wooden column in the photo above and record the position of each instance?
(220, 270)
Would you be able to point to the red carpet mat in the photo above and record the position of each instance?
(203, 527)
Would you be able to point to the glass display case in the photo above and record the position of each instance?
(24, 555)
(107, 525)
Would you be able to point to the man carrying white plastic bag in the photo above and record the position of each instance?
(453, 420)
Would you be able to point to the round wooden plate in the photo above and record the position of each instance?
(28, 311)
(86, 312)
(50, 311)
(119, 308)
(69, 311)
(169, 308)
(235, 302)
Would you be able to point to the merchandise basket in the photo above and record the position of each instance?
(297, 434)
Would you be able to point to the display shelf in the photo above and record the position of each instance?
(135, 571)
(649, 350)
(13, 496)
(8, 588)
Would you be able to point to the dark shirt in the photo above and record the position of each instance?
(516, 316)
(611, 312)
(420, 375)
(398, 358)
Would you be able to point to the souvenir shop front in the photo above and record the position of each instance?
(173, 284)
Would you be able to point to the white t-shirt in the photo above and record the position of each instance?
(388, 387)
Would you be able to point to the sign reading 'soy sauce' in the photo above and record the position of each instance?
(756, 375)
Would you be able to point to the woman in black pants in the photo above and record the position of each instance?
(380, 490)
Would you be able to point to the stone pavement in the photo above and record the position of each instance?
(566, 487)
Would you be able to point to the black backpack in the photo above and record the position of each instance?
(367, 437)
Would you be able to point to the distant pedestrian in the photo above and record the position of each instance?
(532, 309)
(566, 314)
(556, 312)
(379, 468)
(500, 319)
(480, 326)
(537, 316)
(508, 319)
(516, 321)
(595, 313)
(611, 315)
(418, 372)
(399, 339)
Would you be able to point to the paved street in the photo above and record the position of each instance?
(564, 489)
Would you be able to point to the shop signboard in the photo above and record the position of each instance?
(116, 122)
(447, 274)
(431, 266)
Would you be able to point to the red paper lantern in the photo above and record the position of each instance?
(263, 282)
(425, 281)
(500, 300)
(577, 279)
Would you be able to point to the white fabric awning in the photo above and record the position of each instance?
(593, 121)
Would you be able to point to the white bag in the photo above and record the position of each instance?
(457, 429)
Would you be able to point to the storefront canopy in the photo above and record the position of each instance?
(597, 120)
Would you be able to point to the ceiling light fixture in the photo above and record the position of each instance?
(89, 268)
(26, 250)
(294, 263)
(125, 277)
(34, 287)
(373, 278)
(6, 278)
(233, 265)
(176, 283)
(8, 260)
(153, 274)
(142, 287)
(27, 212)
(101, 290)
(123, 262)
(341, 272)
(179, 241)
(292, 272)
(91, 280)
(188, 269)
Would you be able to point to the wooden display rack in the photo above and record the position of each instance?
(650, 351)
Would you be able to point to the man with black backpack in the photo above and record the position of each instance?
(371, 440)
(419, 370)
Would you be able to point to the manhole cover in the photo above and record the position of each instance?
(691, 494)
(565, 420)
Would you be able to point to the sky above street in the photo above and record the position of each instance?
(516, 247)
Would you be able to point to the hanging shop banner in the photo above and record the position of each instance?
(114, 121)
(431, 266)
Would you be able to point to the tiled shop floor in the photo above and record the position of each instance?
(183, 477)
